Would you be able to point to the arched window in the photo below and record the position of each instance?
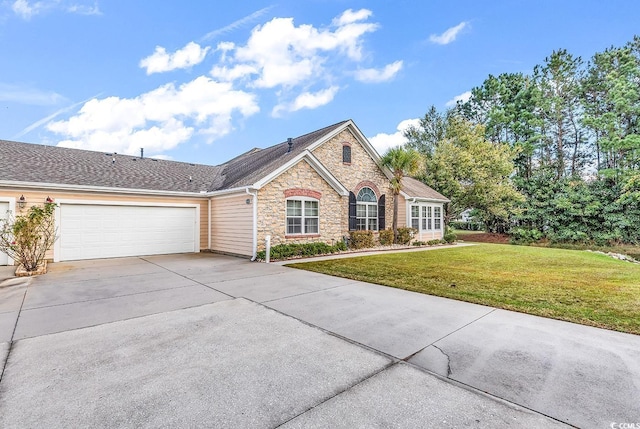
(367, 210)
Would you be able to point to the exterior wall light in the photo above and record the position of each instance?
(49, 200)
(22, 201)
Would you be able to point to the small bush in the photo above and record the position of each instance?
(433, 242)
(449, 235)
(386, 237)
(419, 243)
(285, 251)
(361, 239)
(524, 235)
(405, 235)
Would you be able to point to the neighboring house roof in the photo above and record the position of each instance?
(414, 188)
(25, 162)
(53, 165)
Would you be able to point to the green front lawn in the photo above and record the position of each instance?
(572, 285)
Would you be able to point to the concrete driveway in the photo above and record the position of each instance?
(213, 341)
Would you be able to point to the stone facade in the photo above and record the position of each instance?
(362, 171)
(300, 180)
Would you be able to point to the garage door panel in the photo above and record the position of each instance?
(104, 231)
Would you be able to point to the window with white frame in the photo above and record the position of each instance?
(437, 218)
(425, 217)
(302, 216)
(366, 210)
(415, 217)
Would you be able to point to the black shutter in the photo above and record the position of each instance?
(352, 211)
(381, 214)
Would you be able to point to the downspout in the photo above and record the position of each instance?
(209, 226)
(255, 223)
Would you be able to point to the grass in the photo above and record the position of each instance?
(571, 285)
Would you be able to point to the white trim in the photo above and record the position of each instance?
(255, 224)
(303, 216)
(307, 156)
(364, 142)
(209, 224)
(59, 202)
(105, 189)
(12, 210)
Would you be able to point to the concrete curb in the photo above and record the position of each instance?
(369, 253)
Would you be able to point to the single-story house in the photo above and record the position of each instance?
(315, 187)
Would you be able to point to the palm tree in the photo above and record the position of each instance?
(402, 162)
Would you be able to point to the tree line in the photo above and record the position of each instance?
(552, 154)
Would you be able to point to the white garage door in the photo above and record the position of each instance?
(90, 231)
(4, 207)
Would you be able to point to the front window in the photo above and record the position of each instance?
(302, 217)
(415, 217)
(367, 210)
(436, 218)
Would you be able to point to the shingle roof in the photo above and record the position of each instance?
(25, 162)
(255, 164)
(417, 189)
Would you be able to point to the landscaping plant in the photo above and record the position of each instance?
(27, 238)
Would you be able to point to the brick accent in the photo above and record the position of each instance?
(272, 207)
(300, 192)
(367, 184)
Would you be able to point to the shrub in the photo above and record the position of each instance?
(449, 235)
(433, 242)
(524, 235)
(361, 239)
(27, 238)
(386, 237)
(419, 243)
(405, 235)
(290, 250)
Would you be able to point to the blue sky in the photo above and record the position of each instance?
(203, 81)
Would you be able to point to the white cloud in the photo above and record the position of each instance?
(160, 61)
(158, 120)
(26, 9)
(449, 35)
(236, 24)
(283, 54)
(23, 9)
(307, 100)
(81, 9)
(28, 95)
(349, 17)
(382, 142)
(464, 97)
(376, 75)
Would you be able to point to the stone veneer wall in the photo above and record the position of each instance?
(272, 207)
(362, 168)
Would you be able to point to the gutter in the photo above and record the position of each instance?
(209, 224)
(255, 223)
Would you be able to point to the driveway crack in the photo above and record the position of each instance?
(448, 359)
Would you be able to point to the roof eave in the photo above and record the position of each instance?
(87, 188)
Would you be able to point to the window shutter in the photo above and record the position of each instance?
(381, 214)
(352, 211)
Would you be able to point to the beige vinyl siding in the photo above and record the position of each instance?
(232, 224)
(402, 213)
(34, 197)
